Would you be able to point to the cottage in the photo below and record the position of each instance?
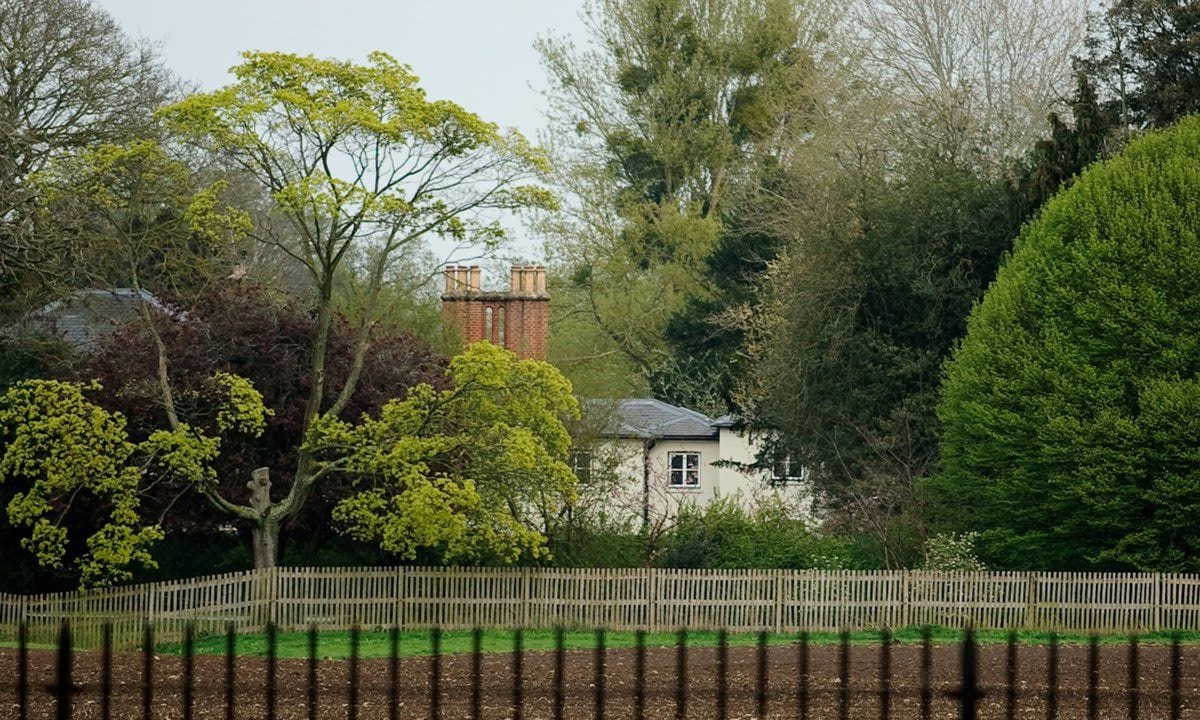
(649, 458)
(639, 459)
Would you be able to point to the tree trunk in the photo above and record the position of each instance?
(265, 540)
(264, 537)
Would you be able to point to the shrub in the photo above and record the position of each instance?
(1071, 409)
(725, 535)
(950, 552)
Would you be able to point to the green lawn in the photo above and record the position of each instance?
(376, 644)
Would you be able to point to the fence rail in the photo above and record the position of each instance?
(616, 599)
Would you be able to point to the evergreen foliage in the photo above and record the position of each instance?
(1070, 410)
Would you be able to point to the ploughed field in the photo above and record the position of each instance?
(661, 690)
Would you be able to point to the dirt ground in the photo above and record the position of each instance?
(538, 674)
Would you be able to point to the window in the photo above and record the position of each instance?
(500, 327)
(784, 470)
(581, 465)
(487, 324)
(685, 470)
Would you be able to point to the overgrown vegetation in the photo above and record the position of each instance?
(786, 211)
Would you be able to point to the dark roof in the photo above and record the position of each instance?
(87, 316)
(654, 419)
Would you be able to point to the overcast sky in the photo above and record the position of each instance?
(478, 53)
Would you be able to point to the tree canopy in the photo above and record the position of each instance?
(1069, 410)
(360, 164)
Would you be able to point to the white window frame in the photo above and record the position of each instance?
(582, 460)
(682, 472)
(786, 477)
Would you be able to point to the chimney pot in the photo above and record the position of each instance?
(475, 278)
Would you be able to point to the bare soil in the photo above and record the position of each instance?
(537, 686)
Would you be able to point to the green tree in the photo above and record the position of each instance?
(70, 465)
(866, 306)
(132, 215)
(359, 163)
(1147, 55)
(71, 79)
(1069, 410)
(476, 472)
(680, 103)
(1089, 134)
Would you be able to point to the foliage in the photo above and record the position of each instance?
(725, 535)
(949, 552)
(76, 470)
(680, 103)
(72, 79)
(361, 167)
(475, 471)
(706, 336)
(587, 544)
(1074, 143)
(239, 332)
(1147, 55)
(132, 215)
(866, 308)
(1069, 409)
(66, 453)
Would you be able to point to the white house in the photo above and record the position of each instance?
(641, 460)
(651, 458)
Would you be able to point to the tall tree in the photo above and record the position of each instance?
(354, 156)
(260, 334)
(1069, 410)
(1147, 55)
(972, 81)
(864, 307)
(679, 102)
(69, 79)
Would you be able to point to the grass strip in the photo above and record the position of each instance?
(375, 643)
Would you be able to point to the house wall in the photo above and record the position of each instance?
(626, 459)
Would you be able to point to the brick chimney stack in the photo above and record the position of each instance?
(518, 319)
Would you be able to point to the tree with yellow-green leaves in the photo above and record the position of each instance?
(473, 472)
(359, 164)
(74, 465)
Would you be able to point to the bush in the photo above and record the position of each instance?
(725, 535)
(1071, 410)
(949, 552)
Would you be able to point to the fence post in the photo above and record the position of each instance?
(399, 599)
(905, 601)
(778, 602)
(1156, 579)
(525, 596)
(275, 581)
(151, 598)
(1031, 586)
(651, 600)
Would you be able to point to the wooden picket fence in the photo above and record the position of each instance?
(615, 599)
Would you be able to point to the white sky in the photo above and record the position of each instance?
(478, 53)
